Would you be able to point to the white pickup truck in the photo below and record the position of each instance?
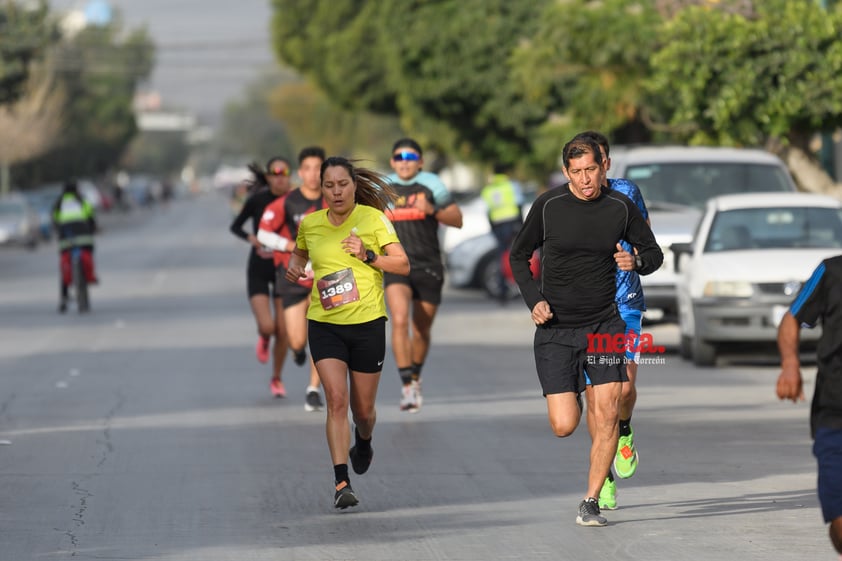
(676, 183)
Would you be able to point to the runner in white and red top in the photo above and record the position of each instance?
(278, 230)
(264, 298)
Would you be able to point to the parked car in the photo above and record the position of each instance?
(750, 254)
(18, 222)
(471, 251)
(42, 200)
(474, 223)
(676, 182)
(474, 263)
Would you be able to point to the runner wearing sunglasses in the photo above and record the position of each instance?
(278, 229)
(423, 203)
(264, 298)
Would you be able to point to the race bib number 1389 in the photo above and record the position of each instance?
(338, 289)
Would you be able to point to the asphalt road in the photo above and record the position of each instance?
(145, 430)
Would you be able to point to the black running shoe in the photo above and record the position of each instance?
(344, 496)
(313, 401)
(360, 460)
(300, 357)
(588, 514)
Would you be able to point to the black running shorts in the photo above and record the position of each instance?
(291, 292)
(260, 277)
(563, 353)
(426, 283)
(361, 346)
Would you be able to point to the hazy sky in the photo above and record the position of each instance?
(207, 50)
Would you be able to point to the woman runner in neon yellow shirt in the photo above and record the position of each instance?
(350, 244)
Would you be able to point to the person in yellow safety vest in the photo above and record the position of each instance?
(75, 224)
(504, 198)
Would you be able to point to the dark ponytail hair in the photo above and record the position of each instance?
(373, 189)
(259, 174)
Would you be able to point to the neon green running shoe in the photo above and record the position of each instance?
(625, 461)
(608, 495)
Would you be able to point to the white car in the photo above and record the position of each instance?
(746, 263)
(19, 223)
(471, 251)
(475, 263)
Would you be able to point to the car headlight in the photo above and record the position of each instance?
(729, 289)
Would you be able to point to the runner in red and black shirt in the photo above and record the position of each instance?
(423, 203)
(278, 230)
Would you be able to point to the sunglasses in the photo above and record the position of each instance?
(278, 170)
(406, 157)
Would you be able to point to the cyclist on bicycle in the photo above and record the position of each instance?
(75, 223)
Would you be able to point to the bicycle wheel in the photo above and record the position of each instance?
(81, 284)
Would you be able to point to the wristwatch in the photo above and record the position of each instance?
(638, 262)
(370, 256)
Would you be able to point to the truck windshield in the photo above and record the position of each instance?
(693, 183)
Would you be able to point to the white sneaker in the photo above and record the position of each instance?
(416, 388)
(408, 402)
(313, 401)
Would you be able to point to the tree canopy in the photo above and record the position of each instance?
(440, 66)
(248, 127)
(98, 70)
(24, 34)
(29, 126)
(727, 79)
(511, 81)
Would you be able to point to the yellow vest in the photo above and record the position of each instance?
(499, 197)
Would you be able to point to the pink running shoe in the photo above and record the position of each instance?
(277, 388)
(262, 349)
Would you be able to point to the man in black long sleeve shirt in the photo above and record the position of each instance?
(578, 228)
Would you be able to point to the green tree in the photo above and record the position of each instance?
(586, 65)
(774, 79)
(29, 126)
(25, 32)
(732, 72)
(335, 45)
(98, 69)
(449, 61)
(249, 131)
(441, 66)
(160, 153)
(511, 81)
(311, 117)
